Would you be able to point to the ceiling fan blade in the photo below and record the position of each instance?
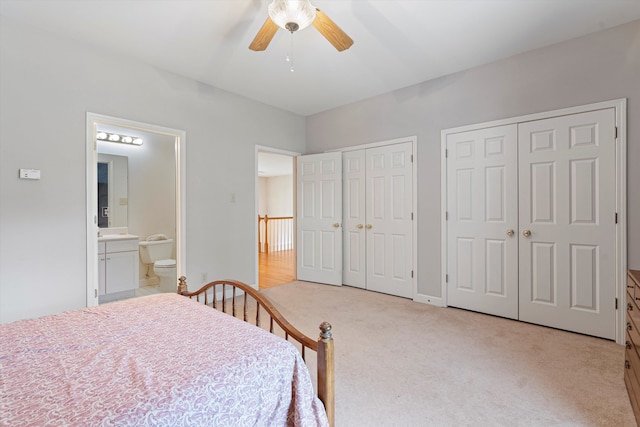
(264, 36)
(338, 38)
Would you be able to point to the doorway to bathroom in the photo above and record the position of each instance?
(135, 199)
(275, 205)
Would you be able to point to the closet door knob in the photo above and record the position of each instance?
(526, 233)
(336, 225)
(369, 226)
(510, 232)
(359, 225)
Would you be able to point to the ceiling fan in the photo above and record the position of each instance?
(295, 15)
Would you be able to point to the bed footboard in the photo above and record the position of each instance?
(224, 295)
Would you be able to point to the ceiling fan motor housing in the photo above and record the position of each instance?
(292, 15)
(292, 26)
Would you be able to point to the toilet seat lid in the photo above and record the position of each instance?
(166, 263)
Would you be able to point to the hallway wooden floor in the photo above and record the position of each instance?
(275, 268)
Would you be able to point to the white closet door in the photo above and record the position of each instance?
(389, 186)
(319, 191)
(353, 190)
(482, 207)
(567, 204)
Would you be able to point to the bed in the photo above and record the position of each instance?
(166, 359)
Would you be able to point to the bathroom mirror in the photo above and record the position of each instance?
(113, 199)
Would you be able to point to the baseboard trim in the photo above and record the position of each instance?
(426, 299)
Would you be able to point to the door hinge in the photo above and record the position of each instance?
(95, 293)
(412, 158)
(411, 216)
(411, 273)
(616, 217)
(616, 135)
(446, 278)
(616, 303)
(446, 216)
(446, 152)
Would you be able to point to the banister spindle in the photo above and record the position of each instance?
(266, 234)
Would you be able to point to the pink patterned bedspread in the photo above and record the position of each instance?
(161, 360)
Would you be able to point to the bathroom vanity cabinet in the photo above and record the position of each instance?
(117, 268)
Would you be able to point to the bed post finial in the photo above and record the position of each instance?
(182, 284)
(326, 376)
(325, 331)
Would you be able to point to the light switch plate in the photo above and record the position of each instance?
(29, 174)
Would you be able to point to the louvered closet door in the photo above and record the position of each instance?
(482, 209)
(567, 204)
(388, 228)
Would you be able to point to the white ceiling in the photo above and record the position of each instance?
(397, 42)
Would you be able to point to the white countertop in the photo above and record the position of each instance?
(111, 237)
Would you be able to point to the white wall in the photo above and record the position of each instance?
(275, 195)
(263, 181)
(47, 85)
(598, 67)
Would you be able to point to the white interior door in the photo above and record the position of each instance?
(353, 188)
(567, 208)
(389, 211)
(319, 214)
(482, 224)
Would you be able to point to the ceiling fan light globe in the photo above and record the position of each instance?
(286, 12)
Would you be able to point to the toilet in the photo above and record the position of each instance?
(156, 250)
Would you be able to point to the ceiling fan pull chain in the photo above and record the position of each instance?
(290, 56)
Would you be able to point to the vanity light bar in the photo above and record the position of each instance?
(114, 137)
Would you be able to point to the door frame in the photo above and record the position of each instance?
(293, 154)
(414, 199)
(92, 120)
(620, 108)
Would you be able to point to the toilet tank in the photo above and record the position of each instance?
(152, 251)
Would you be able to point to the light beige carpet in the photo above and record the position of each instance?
(400, 363)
